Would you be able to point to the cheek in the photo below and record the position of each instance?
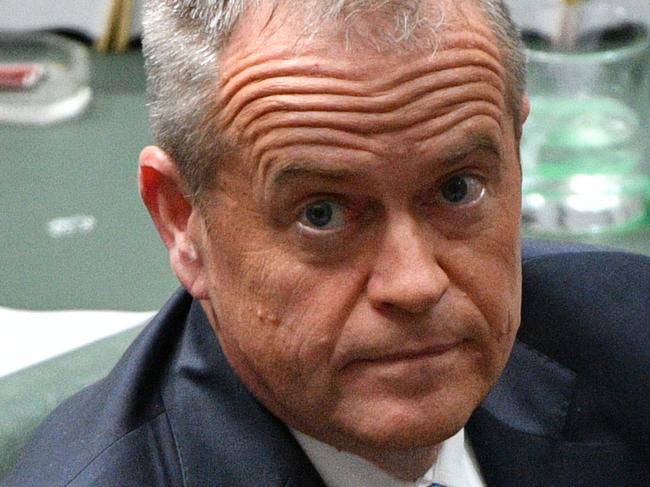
(281, 317)
(488, 272)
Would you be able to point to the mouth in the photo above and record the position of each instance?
(406, 356)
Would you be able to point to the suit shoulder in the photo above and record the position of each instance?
(591, 297)
(80, 445)
(533, 248)
(117, 430)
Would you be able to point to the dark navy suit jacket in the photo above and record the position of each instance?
(572, 408)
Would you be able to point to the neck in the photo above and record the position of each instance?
(405, 464)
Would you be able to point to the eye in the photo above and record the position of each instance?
(460, 189)
(322, 215)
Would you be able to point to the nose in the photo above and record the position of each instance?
(406, 275)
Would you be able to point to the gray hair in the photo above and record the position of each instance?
(182, 41)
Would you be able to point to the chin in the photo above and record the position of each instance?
(400, 429)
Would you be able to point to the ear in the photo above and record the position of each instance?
(178, 221)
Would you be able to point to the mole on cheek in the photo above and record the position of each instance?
(267, 318)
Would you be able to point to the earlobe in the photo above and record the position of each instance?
(163, 192)
(188, 265)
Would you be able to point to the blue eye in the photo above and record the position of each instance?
(462, 190)
(322, 215)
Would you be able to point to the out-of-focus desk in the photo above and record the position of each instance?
(73, 230)
(74, 235)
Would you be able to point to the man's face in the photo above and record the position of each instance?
(362, 251)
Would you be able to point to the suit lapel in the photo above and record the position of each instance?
(224, 436)
(510, 458)
(518, 433)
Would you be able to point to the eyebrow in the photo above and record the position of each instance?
(469, 146)
(310, 169)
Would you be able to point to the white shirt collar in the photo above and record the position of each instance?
(456, 466)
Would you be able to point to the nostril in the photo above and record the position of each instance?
(404, 309)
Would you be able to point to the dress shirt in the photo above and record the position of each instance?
(455, 466)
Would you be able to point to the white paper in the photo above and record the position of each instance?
(30, 337)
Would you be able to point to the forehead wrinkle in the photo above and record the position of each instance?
(435, 107)
(327, 93)
(270, 88)
(285, 138)
(430, 129)
(314, 139)
(335, 76)
(307, 74)
(307, 97)
(269, 67)
(242, 69)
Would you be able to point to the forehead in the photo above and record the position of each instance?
(276, 80)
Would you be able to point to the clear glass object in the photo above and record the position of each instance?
(44, 78)
(584, 145)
